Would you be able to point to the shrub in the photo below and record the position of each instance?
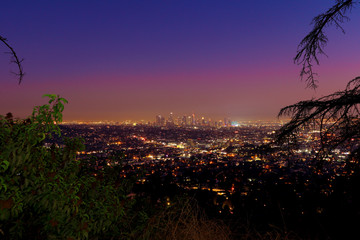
(45, 192)
(184, 220)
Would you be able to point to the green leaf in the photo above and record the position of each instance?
(63, 100)
(51, 96)
(5, 165)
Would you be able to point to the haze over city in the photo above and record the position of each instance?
(120, 60)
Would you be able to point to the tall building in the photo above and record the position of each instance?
(178, 121)
(203, 121)
(210, 123)
(220, 123)
(188, 121)
(160, 120)
(183, 120)
(227, 122)
(171, 118)
(170, 121)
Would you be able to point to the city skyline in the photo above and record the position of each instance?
(132, 60)
(183, 120)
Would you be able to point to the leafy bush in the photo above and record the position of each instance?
(45, 192)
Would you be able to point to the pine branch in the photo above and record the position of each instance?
(313, 44)
(337, 116)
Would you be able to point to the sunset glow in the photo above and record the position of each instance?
(120, 60)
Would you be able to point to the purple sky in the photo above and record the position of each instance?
(119, 60)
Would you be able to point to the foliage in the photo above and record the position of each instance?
(313, 44)
(336, 116)
(44, 193)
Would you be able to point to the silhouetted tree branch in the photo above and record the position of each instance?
(14, 59)
(336, 116)
(313, 44)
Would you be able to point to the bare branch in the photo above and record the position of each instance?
(15, 59)
(313, 44)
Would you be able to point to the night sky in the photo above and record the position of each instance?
(119, 60)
